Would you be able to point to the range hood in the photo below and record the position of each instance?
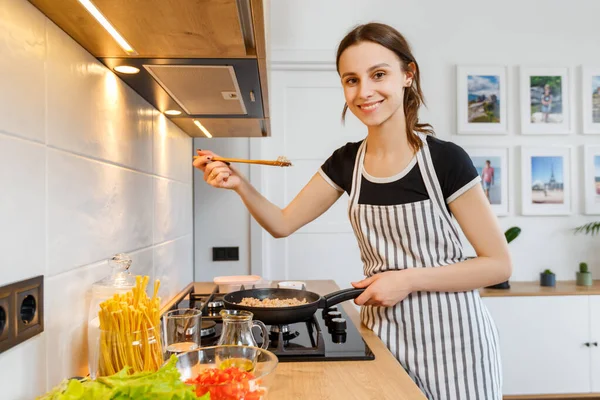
(201, 62)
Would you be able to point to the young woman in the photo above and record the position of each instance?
(404, 186)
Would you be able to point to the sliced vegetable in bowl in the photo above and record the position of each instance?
(229, 372)
(230, 383)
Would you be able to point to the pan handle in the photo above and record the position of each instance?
(340, 296)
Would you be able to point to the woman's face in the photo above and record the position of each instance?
(373, 82)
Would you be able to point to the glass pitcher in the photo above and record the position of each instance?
(237, 329)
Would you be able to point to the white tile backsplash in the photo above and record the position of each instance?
(22, 68)
(91, 111)
(94, 209)
(172, 209)
(173, 265)
(23, 369)
(22, 209)
(142, 263)
(67, 303)
(87, 169)
(173, 153)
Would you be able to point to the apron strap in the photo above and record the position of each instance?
(432, 183)
(357, 174)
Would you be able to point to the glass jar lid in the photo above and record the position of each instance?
(120, 277)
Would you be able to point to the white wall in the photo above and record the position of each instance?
(87, 169)
(220, 217)
(443, 35)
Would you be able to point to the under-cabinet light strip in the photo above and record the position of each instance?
(202, 128)
(107, 25)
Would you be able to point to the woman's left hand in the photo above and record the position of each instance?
(384, 289)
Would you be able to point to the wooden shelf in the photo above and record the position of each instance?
(562, 288)
(555, 396)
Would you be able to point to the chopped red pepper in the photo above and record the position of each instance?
(228, 384)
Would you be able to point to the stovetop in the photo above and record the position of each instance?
(329, 336)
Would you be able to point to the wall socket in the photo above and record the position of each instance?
(226, 253)
(21, 311)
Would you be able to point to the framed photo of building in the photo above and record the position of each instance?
(591, 177)
(590, 82)
(492, 166)
(546, 180)
(546, 101)
(481, 100)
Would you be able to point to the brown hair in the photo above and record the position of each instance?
(391, 39)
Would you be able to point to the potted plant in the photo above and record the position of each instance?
(547, 278)
(510, 235)
(584, 276)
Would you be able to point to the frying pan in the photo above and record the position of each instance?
(292, 314)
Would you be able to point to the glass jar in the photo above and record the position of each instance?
(119, 281)
(139, 351)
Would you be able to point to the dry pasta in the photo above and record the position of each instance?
(130, 331)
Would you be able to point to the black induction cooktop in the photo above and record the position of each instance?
(330, 335)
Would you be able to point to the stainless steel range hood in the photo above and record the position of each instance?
(218, 85)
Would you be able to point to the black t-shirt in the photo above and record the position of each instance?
(453, 166)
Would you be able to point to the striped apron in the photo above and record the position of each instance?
(446, 342)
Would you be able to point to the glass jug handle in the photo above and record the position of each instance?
(265, 333)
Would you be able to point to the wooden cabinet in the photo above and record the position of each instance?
(164, 28)
(543, 343)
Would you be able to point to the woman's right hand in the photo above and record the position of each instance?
(217, 173)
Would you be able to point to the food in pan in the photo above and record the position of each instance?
(254, 302)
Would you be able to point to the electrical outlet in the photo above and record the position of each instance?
(28, 308)
(226, 253)
(23, 304)
(5, 326)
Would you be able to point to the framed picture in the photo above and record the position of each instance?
(481, 100)
(545, 101)
(590, 82)
(546, 180)
(492, 166)
(591, 178)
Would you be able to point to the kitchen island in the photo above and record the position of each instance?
(381, 378)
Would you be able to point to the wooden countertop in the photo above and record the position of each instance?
(382, 378)
(562, 288)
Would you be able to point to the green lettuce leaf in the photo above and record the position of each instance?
(164, 384)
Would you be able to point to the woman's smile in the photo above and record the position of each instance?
(370, 106)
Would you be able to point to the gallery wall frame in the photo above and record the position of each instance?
(590, 99)
(546, 180)
(494, 180)
(482, 100)
(546, 100)
(591, 179)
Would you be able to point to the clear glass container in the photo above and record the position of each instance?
(119, 281)
(140, 351)
(260, 363)
(237, 329)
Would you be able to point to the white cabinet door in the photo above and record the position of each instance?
(542, 343)
(595, 342)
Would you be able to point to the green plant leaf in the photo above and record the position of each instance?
(592, 228)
